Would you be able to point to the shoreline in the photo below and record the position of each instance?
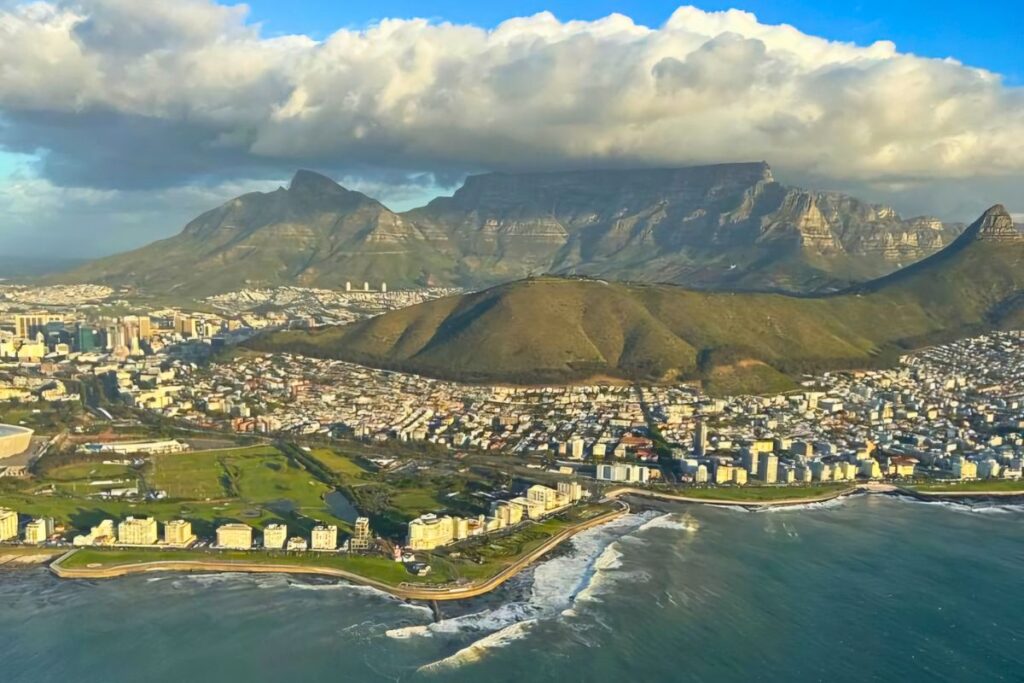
(853, 490)
(470, 590)
(477, 589)
(615, 494)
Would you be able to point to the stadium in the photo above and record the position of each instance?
(14, 440)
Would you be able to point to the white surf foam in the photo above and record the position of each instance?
(557, 584)
(675, 521)
(974, 507)
(477, 650)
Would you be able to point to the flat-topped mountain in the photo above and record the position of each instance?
(558, 329)
(721, 226)
(728, 226)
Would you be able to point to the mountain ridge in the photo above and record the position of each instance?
(724, 226)
(551, 329)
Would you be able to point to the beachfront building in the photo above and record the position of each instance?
(8, 524)
(234, 536)
(571, 490)
(137, 531)
(965, 469)
(324, 537)
(38, 530)
(361, 535)
(429, 531)
(275, 536)
(297, 543)
(509, 513)
(178, 533)
(101, 534)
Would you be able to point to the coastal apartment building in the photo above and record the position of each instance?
(234, 536)
(430, 531)
(38, 530)
(101, 534)
(178, 533)
(137, 531)
(361, 535)
(275, 536)
(8, 524)
(325, 537)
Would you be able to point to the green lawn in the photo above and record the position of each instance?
(255, 485)
(979, 485)
(340, 464)
(89, 471)
(378, 568)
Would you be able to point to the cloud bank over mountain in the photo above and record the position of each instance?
(120, 100)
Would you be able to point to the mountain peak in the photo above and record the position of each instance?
(997, 224)
(311, 180)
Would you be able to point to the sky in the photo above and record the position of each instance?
(122, 120)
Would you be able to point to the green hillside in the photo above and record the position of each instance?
(554, 329)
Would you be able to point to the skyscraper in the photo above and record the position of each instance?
(700, 438)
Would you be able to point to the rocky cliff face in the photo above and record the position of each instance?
(721, 226)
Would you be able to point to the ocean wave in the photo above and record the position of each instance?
(477, 650)
(671, 520)
(974, 508)
(820, 505)
(557, 584)
(406, 632)
(609, 560)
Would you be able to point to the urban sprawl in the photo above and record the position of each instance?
(950, 412)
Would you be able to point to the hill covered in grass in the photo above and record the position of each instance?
(552, 329)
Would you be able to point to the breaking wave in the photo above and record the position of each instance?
(477, 650)
(557, 585)
(987, 507)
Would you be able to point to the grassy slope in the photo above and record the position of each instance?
(551, 329)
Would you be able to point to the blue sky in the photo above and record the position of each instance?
(987, 34)
(103, 147)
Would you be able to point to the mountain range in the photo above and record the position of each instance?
(727, 226)
(546, 329)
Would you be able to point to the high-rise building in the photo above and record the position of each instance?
(38, 530)
(275, 536)
(324, 537)
(137, 531)
(28, 325)
(543, 495)
(751, 460)
(429, 531)
(768, 472)
(8, 524)
(572, 490)
(360, 535)
(234, 536)
(101, 534)
(700, 438)
(178, 533)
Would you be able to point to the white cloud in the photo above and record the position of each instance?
(123, 94)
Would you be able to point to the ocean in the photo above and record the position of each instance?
(870, 588)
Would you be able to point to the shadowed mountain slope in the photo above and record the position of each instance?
(559, 329)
